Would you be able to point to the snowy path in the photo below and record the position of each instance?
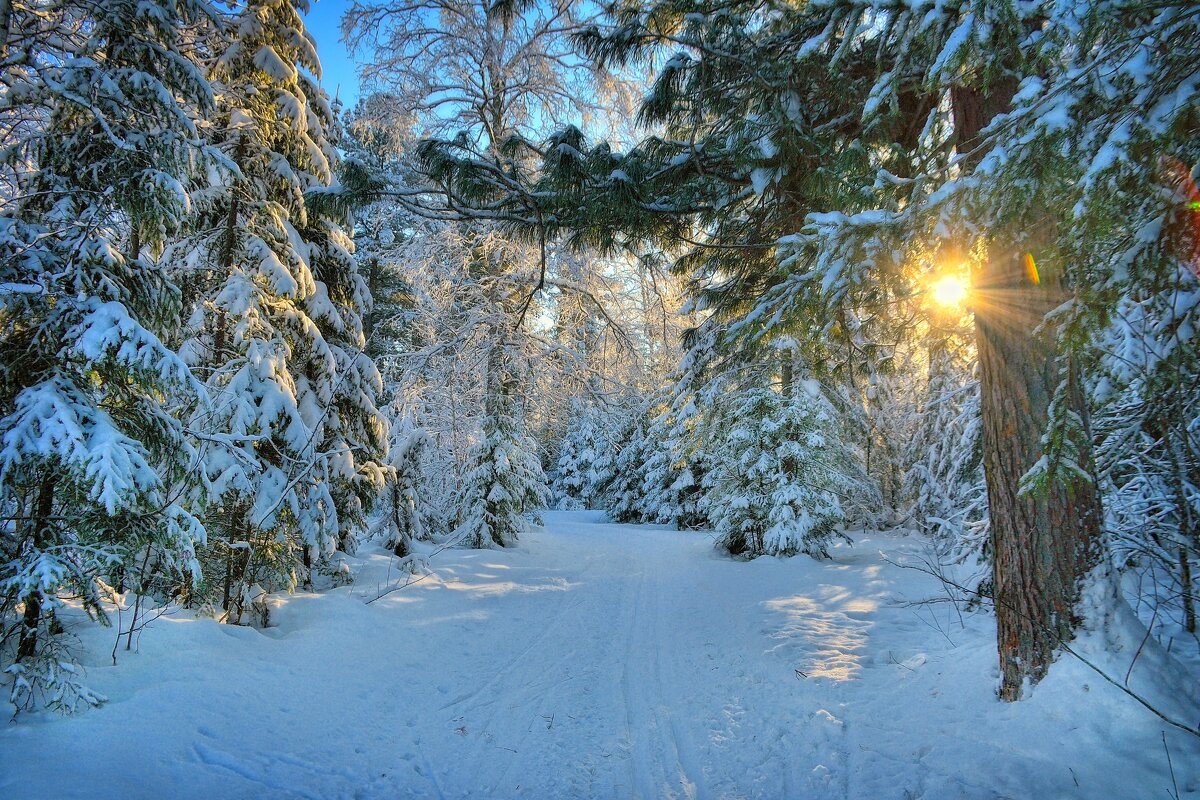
(596, 660)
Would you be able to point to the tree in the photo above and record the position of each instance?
(585, 461)
(354, 431)
(378, 136)
(776, 488)
(624, 489)
(95, 471)
(680, 456)
(458, 67)
(403, 520)
(274, 325)
(504, 485)
(1135, 245)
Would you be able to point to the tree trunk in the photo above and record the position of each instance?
(5, 25)
(371, 317)
(232, 557)
(306, 560)
(787, 375)
(1044, 542)
(1189, 602)
(228, 583)
(27, 646)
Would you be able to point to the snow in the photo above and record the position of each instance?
(275, 66)
(596, 660)
(760, 178)
(954, 43)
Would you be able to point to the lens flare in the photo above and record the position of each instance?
(949, 291)
(1031, 270)
(1181, 234)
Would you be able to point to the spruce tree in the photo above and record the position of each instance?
(403, 521)
(585, 462)
(293, 427)
(624, 490)
(776, 488)
(505, 487)
(95, 470)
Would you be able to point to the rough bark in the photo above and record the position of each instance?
(1047, 541)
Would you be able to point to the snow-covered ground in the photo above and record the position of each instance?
(600, 660)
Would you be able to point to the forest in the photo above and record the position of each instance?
(685, 313)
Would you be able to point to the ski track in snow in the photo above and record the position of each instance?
(595, 660)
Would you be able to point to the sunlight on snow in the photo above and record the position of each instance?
(821, 636)
(508, 587)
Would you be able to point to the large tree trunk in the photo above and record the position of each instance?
(1047, 541)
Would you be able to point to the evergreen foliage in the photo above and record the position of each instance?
(624, 489)
(776, 489)
(403, 520)
(275, 305)
(96, 473)
(504, 488)
(585, 462)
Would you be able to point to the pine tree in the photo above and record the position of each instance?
(776, 488)
(673, 475)
(355, 434)
(504, 486)
(403, 521)
(586, 461)
(95, 471)
(624, 490)
(290, 406)
(378, 136)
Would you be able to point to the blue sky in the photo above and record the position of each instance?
(323, 23)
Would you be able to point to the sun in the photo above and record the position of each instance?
(949, 291)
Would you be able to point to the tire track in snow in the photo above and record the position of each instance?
(525, 710)
(680, 745)
(660, 759)
(640, 777)
(507, 669)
